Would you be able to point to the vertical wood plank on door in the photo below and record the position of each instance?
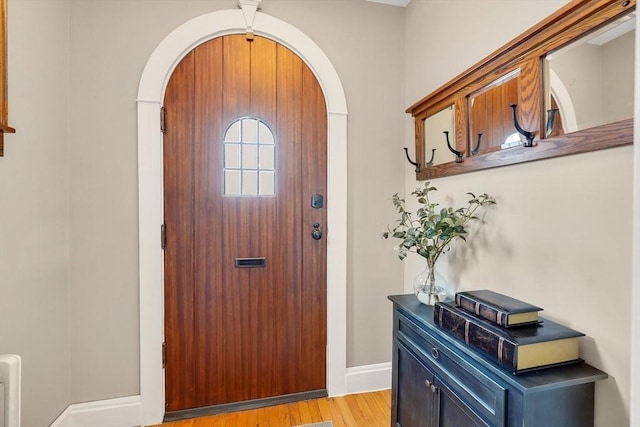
(179, 251)
(267, 369)
(211, 336)
(288, 339)
(237, 236)
(263, 78)
(314, 279)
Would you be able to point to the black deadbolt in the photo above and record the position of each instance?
(317, 201)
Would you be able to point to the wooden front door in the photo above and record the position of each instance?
(244, 180)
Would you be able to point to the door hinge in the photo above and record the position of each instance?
(163, 119)
(164, 355)
(163, 236)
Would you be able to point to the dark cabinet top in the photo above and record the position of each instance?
(537, 380)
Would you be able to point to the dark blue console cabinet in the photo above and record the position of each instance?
(438, 381)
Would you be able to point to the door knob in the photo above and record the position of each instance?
(316, 233)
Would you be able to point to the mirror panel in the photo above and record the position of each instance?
(590, 81)
(436, 150)
(4, 109)
(490, 115)
(529, 53)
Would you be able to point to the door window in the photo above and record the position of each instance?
(249, 159)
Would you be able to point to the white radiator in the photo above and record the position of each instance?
(9, 390)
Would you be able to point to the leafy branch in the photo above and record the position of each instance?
(432, 230)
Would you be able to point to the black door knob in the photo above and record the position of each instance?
(316, 234)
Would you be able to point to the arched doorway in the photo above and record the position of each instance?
(150, 94)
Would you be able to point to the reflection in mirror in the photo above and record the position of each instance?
(436, 151)
(490, 115)
(590, 81)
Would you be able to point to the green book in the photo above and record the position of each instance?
(519, 350)
(497, 308)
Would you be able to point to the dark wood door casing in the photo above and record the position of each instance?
(238, 334)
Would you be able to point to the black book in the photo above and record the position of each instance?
(500, 309)
(517, 349)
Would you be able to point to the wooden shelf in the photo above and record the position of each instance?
(4, 129)
(4, 109)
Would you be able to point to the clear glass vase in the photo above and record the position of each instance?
(429, 286)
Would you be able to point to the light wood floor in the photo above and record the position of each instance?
(355, 410)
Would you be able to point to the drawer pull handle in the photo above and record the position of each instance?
(435, 353)
(430, 386)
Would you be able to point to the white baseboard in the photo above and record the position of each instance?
(120, 412)
(125, 411)
(361, 379)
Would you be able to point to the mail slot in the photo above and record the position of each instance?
(250, 262)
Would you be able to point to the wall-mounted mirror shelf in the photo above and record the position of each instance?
(4, 109)
(533, 76)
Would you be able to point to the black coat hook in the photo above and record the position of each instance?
(433, 153)
(458, 154)
(406, 152)
(475, 150)
(527, 135)
(551, 120)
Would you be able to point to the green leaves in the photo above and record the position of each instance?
(430, 234)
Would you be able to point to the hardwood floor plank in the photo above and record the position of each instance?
(314, 411)
(336, 414)
(357, 410)
(379, 412)
(211, 421)
(345, 411)
(380, 402)
(323, 407)
(253, 420)
(277, 415)
(294, 414)
(303, 408)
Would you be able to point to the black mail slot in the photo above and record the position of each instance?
(250, 262)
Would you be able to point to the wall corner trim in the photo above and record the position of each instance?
(123, 411)
(365, 378)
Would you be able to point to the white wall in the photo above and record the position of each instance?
(560, 234)
(34, 207)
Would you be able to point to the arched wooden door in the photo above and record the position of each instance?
(244, 191)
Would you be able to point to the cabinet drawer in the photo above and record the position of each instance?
(480, 392)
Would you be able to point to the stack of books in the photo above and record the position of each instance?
(507, 330)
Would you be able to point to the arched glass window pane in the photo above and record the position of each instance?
(249, 159)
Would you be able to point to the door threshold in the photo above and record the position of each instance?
(243, 406)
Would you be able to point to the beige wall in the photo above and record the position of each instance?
(560, 234)
(34, 207)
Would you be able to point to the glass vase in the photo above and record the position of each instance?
(429, 286)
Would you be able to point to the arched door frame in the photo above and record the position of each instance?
(150, 195)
